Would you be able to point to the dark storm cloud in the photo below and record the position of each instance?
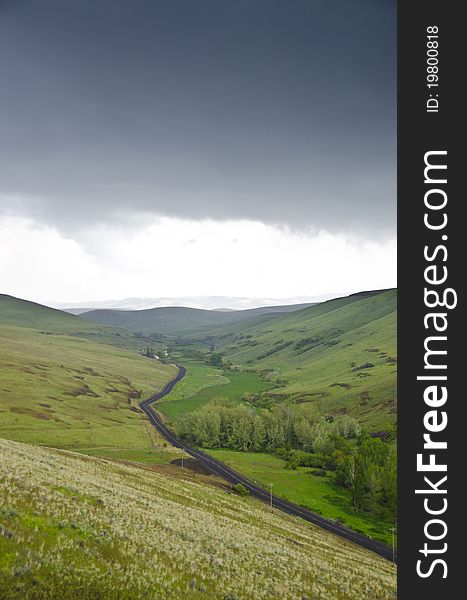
(282, 111)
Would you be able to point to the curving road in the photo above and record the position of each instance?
(229, 474)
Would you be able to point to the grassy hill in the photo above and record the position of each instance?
(75, 393)
(22, 313)
(338, 356)
(179, 320)
(74, 527)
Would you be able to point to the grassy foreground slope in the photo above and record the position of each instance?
(73, 393)
(338, 356)
(74, 527)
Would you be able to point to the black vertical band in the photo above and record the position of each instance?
(430, 248)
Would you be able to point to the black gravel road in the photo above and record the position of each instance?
(219, 468)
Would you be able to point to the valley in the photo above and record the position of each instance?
(75, 385)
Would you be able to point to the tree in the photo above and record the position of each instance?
(353, 479)
(389, 484)
(258, 433)
(347, 426)
(215, 359)
(303, 432)
(275, 428)
(363, 472)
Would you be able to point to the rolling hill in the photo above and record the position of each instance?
(71, 383)
(202, 302)
(338, 356)
(75, 393)
(180, 320)
(23, 313)
(74, 527)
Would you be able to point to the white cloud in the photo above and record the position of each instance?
(175, 257)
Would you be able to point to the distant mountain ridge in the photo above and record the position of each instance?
(176, 320)
(116, 325)
(220, 303)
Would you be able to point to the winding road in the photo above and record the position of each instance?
(229, 474)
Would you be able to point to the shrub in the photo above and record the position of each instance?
(367, 365)
(318, 472)
(240, 489)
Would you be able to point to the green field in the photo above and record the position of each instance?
(317, 493)
(67, 392)
(77, 527)
(203, 384)
(199, 376)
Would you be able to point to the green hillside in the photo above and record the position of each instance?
(76, 527)
(180, 320)
(338, 357)
(74, 393)
(22, 313)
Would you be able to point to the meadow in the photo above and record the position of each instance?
(339, 356)
(203, 383)
(76, 527)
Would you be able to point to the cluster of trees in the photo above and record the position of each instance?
(369, 471)
(215, 359)
(151, 352)
(219, 425)
(364, 465)
(223, 425)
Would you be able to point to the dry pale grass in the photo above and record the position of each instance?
(73, 526)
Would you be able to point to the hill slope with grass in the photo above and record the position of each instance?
(23, 313)
(180, 320)
(74, 527)
(75, 393)
(338, 356)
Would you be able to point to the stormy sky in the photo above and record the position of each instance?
(205, 117)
